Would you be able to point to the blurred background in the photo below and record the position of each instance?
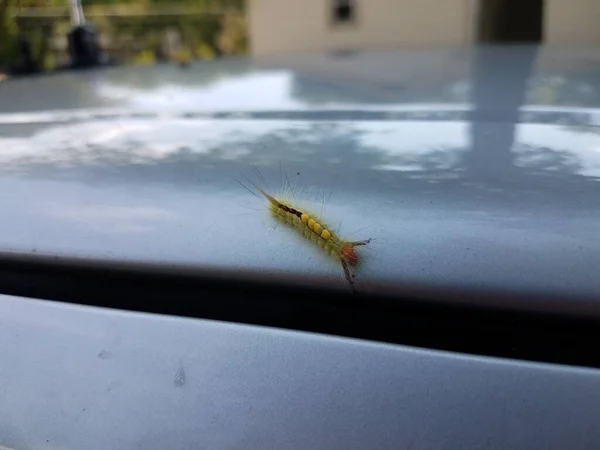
(36, 35)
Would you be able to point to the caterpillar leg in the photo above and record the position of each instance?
(348, 275)
(357, 243)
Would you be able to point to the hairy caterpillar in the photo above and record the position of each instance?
(313, 228)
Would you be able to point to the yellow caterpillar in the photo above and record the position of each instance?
(315, 230)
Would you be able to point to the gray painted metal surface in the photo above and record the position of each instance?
(468, 168)
(87, 378)
(453, 165)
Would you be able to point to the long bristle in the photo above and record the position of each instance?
(260, 176)
(271, 199)
(247, 188)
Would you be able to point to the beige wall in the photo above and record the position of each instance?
(279, 26)
(572, 22)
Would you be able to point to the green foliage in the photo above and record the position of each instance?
(132, 30)
(233, 39)
(8, 36)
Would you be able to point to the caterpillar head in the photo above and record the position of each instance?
(349, 255)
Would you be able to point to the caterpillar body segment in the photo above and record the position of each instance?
(318, 232)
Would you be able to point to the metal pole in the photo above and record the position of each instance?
(76, 11)
(474, 22)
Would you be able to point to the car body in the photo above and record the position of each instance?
(474, 171)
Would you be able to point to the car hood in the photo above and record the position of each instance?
(474, 168)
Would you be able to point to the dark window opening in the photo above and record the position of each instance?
(510, 21)
(344, 11)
